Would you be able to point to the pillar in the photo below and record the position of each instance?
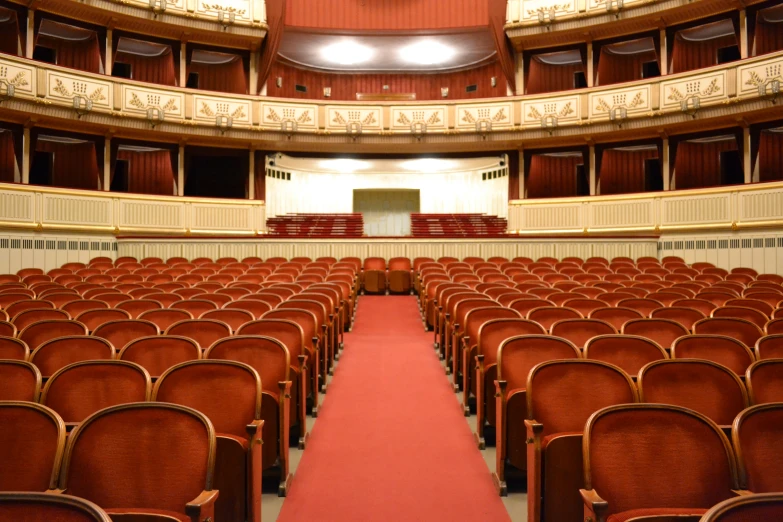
(27, 156)
(251, 178)
(743, 39)
(521, 168)
(181, 171)
(746, 155)
(107, 164)
(109, 54)
(183, 64)
(664, 54)
(593, 176)
(30, 40)
(520, 73)
(665, 171)
(254, 72)
(590, 71)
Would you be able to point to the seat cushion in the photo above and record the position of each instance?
(659, 515)
(145, 515)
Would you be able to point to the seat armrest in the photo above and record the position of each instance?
(742, 492)
(254, 429)
(594, 504)
(202, 507)
(54, 492)
(534, 430)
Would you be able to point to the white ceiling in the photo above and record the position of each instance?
(387, 52)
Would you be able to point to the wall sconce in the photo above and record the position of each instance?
(617, 3)
(483, 126)
(771, 88)
(155, 115)
(385, 88)
(6, 91)
(224, 121)
(225, 20)
(81, 105)
(279, 82)
(418, 128)
(618, 114)
(546, 17)
(353, 127)
(288, 126)
(549, 122)
(493, 81)
(327, 92)
(158, 6)
(690, 105)
(444, 91)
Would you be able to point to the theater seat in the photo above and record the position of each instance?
(229, 393)
(59, 352)
(748, 508)
(628, 352)
(721, 349)
(764, 380)
(756, 434)
(770, 347)
(159, 459)
(19, 381)
(635, 462)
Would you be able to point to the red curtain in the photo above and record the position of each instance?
(275, 19)
(497, 21)
(770, 156)
(149, 172)
(259, 176)
(769, 36)
(618, 68)
(221, 77)
(8, 166)
(544, 77)
(688, 55)
(697, 164)
(514, 157)
(9, 32)
(75, 164)
(84, 55)
(622, 171)
(151, 69)
(552, 176)
(425, 86)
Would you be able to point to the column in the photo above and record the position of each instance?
(251, 178)
(743, 39)
(107, 164)
(593, 176)
(520, 72)
(27, 156)
(664, 54)
(254, 72)
(30, 39)
(109, 54)
(181, 171)
(746, 155)
(590, 73)
(667, 181)
(183, 64)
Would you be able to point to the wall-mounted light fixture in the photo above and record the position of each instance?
(327, 92)
(279, 82)
(444, 91)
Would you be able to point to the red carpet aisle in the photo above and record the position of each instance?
(390, 443)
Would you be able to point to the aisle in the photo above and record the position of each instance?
(391, 443)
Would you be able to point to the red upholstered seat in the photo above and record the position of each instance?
(748, 508)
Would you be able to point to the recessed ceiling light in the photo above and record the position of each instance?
(347, 52)
(427, 52)
(428, 165)
(344, 165)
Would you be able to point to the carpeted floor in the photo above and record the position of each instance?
(391, 443)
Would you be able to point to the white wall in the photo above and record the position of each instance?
(311, 191)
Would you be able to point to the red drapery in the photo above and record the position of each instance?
(697, 164)
(553, 176)
(83, 54)
(514, 157)
(547, 77)
(75, 164)
(425, 86)
(622, 171)
(228, 76)
(688, 55)
(9, 169)
(151, 69)
(275, 19)
(497, 21)
(618, 68)
(9, 32)
(770, 156)
(769, 36)
(259, 176)
(149, 172)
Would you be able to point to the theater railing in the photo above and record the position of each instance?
(44, 209)
(737, 207)
(70, 94)
(719, 209)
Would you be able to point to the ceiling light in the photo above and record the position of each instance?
(347, 52)
(344, 165)
(428, 165)
(427, 52)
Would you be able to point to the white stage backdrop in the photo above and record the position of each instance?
(308, 185)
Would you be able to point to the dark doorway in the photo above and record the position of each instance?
(41, 168)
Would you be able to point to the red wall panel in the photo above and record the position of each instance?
(426, 86)
(8, 165)
(770, 156)
(618, 68)
(622, 171)
(545, 77)
(75, 164)
(552, 176)
(84, 55)
(689, 55)
(9, 32)
(151, 69)
(697, 164)
(769, 37)
(149, 172)
(387, 14)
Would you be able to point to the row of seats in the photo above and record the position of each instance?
(690, 349)
(316, 225)
(457, 225)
